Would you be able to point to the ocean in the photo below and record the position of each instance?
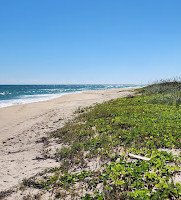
(22, 94)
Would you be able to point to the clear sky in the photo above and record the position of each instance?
(89, 41)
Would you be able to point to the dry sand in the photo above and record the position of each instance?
(23, 126)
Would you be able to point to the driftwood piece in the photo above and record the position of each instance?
(139, 157)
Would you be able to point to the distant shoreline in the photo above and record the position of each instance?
(39, 97)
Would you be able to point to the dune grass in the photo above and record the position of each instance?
(166, 91)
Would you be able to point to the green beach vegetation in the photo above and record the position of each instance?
(97, 160)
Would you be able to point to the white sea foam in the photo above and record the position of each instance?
(29, 99)
(2, 93)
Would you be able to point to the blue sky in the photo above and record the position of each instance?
(89, 41)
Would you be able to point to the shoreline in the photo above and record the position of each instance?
(23, 126)
(51, 96)
(42, 100)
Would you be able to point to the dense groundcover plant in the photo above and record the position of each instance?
(146, 124)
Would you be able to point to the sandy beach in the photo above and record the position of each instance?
(23, 126)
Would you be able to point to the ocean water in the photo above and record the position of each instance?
(22, 94)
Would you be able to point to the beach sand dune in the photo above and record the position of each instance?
(22, 150)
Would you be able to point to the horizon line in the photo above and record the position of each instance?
(76, 84)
